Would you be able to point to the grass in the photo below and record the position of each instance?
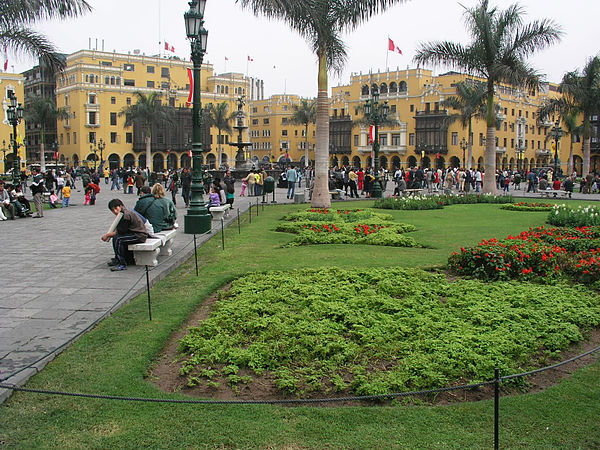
(116, 355)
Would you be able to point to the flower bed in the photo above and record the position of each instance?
(537, 254)
(583, 216)
(438, 201)
(337, 216)
(524, 206)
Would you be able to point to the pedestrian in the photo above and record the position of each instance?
(186, 185)
(229, 187)
(291, 176)
(37, 189)
(66, 196)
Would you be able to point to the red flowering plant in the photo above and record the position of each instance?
(524, 206)
(585, 266)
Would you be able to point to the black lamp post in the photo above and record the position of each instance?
(4, 154)
(197, 220)
(376, 114)
(463, 146)
(94, 151)
(101, 146)
(14, 114)
(55, 148)
(557, 133)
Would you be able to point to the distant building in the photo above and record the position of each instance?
(11, 83)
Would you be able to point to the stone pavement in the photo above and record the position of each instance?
(56, 284)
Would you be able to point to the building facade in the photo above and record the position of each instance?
(11, 83)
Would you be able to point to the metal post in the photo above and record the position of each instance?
(148, 289)
(250, 211)
(239, 226)
(496, 407)
(196, 254)
(257, 207)
(274, 201)
(223, 233)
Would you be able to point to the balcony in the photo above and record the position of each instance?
(543, 152)
(431, 149)
(500, 150)
(433, 112)
(384, 149)
(92, 125)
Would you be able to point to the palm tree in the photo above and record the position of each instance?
(148, 111)
(218, 116)
(581, 93)
(321, 23)
(41, 111)
(16, 17)
(304, 114)
(498, 53)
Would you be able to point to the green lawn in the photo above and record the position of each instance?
(116, 355)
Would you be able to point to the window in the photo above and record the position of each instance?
(454, 138)
(480, 138)
(62, 141)
(284, 121)
(172, 102)
(383, 139)
(296, 133)
(74, 137)
(113, 137)
(129, 138)
(505, 126)
(127, 82)
(513, 112)
(164, 72)
(149, 69)
(512, 143)
(266, 133)
(150, 84)
(284, 108)
(107, 80)
(128, 101)
(113, 118)
(113, 100)
(106, 63)
(396, 139)
(393, 109)
(128, 67)
(356, 111)
(265, 121)
(255, 110)
(356, 140)
(412, 108)
(92, 118)
(527, 114)
(68, 138)
(91, 137)
(92, 99)
(284, 132)
(411, 139)
(254, 121)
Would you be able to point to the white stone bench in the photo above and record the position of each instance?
(218, 212)
(548, 192)
(147, 253)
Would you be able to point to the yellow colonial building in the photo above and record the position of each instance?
(10, 84)
(96, 86)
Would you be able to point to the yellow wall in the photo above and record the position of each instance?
(11, 82)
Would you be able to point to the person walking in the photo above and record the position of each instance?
(291, 176)
(66, 196)
(37, 189)
(229, 187)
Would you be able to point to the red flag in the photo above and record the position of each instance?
(371, 134)
(393, 47)
(190, 96)
(190, 153)
(172, 49)
(166, 46)
(169, 48)
(250, 59)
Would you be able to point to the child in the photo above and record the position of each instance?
(66, 194)
(244, 186)
(88, 195)
(214, 199)
(130, 184)
(53, 200)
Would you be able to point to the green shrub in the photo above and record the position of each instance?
(438, 201)
(583, 216)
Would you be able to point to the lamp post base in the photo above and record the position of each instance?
(197, 224)
(377, 191)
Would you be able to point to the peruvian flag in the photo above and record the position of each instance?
(191, 94)
(371, 134)
(190, 153)
(169, 48)
(393, 47)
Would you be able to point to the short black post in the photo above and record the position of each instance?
(263, 197)
(239, 226)
(273, 196)
(223, 233)
(196, 254)
(250, 211)
(148, 288)
(257, 207)
(496, 407)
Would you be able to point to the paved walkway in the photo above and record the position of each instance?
(56, 284)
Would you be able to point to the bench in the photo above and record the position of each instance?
(218, 212)
(147, 253)
(45, 197)
(546, 193)
(335, 195)
(413, 192)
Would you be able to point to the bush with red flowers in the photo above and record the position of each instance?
(524, 206)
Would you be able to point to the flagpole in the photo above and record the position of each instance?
(387, 54)
(159, 33)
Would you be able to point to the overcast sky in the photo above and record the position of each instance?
(283, 59)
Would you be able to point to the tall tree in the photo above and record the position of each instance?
(321, 23)
(41, 111)
(17, 17)
(581, 92)
(498, 53)
(147, 111)
(304, 114)
(218, 116)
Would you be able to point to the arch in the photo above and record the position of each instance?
(480, 163)
(504, 163)
(441, 162)
(374, 88)
(425, 161)
(578, 165)
(223, 159)
(383, 88)
(158, 163)
(211, 160)
(172, 161)
(525, 164)
(345, 161)
(266, 160)
(396, 163)
(75, 160)
(334, 162)
(412, 161)
(62, 158)
(356, 161)
(403, 86)
(369, 162)
(185, 161)
(256, 159)
(142, 160)
(595, 164)
(393, 87)
(364, 90)
(128, 160)
(92, 157)
(511, 164)
(454, 162)
(114, 161)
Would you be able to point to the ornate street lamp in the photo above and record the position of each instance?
(376, 114)
(94, 151)
(197, 220)
(463, 146)
(556, 132)
(4, 154)
(14, 114)
(101, 146)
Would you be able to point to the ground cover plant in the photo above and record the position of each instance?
(369, 332)
(118, 355)
(528, 206)
(541, 254)
(359, 226)
(583, 216)
(412, 203)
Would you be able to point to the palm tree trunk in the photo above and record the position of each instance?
(148, 151)
(42, 157)
(321, 198)
(489, 158)
(306, 145)
(570, 162)
(587, 143)
(470, 146)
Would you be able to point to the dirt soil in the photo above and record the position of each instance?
(165, 374)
